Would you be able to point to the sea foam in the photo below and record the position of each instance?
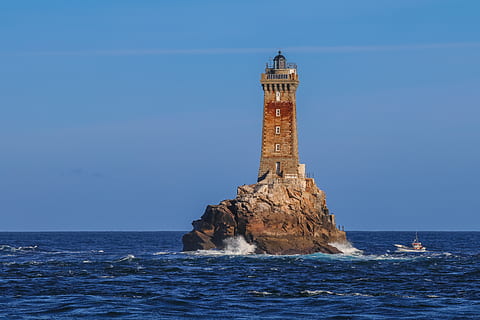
(238, 246)
(347, 248)
(128, 257)
(232, 246)
(6, 247)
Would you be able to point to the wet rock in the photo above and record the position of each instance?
(286, 216)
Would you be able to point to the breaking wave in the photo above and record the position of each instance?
(160, 253)
(67, 277)
(235, 246)
(128, 257)
(7, 248)
(347, 248)
(326, 292)
(238, 246)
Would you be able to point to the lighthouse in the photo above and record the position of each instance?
(284, 212)
(279, 151)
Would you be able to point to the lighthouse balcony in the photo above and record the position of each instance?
(280, 76)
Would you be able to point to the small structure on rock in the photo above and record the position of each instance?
(284, 212)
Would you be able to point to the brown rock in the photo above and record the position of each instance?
(285, 216)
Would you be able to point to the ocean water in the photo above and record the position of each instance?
(144, 275)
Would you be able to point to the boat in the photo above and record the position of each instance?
(416, 246)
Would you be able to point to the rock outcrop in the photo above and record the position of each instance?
(285, 216)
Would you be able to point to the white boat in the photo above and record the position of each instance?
(416, 246)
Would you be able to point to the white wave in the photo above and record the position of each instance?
(64, 252)
(211, 252)
(128, 257)
(238, 246)
(160, 253)
(346, 248)
(359, 256)
(260, 293)
(361, 294)
(6, 247)
(27, 248)
(389, 257)
(319, 292)
(232, 246)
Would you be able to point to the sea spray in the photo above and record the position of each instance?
(238, 246)
(346, 248)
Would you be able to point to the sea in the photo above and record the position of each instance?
(145, 275)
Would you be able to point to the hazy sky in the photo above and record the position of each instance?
(134, 115)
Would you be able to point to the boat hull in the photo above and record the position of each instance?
(402, 248)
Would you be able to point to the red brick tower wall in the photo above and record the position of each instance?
(279, 157)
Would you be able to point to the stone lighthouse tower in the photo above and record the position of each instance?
(279, 157)
(284, 212)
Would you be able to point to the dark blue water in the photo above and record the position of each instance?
(143, 275)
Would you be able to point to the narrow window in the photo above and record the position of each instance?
(277, 112)
(277, 95)
(277, 168)
(277, 147)
(277, 130)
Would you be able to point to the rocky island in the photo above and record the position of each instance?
(284, 212)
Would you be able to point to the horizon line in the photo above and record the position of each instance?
(216, 51)
(64, 231)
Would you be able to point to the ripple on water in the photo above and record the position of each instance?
(67, 276)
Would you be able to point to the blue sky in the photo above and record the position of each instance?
(134, 115)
